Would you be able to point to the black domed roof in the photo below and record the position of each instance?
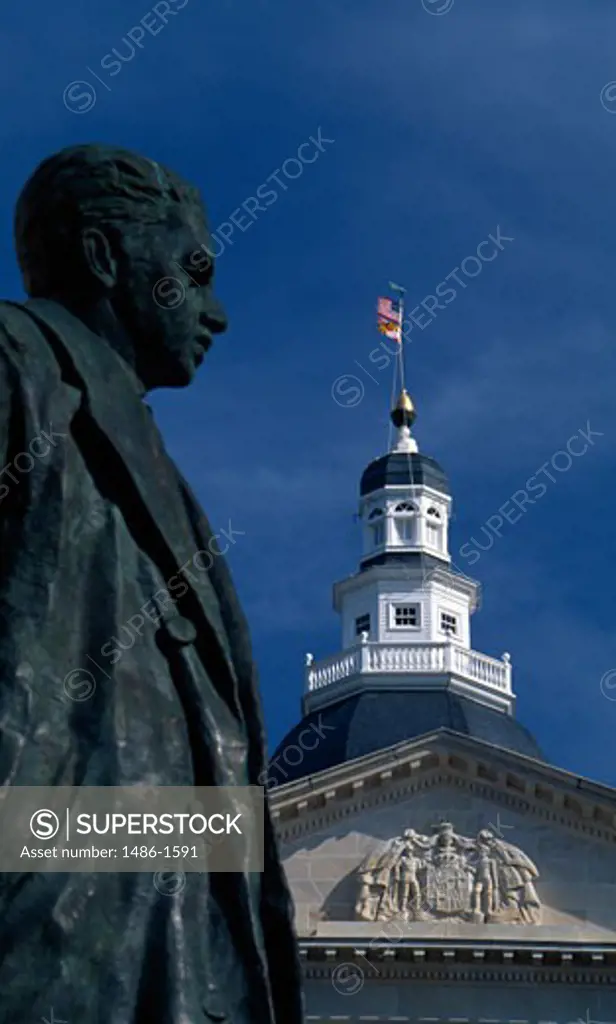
(369, 722)
(403, 468)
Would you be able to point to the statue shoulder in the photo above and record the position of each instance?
(9, 349)
(11, 313)
(23, 348)
(14, 317)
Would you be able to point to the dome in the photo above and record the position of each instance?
(403, 468)
(369, 722)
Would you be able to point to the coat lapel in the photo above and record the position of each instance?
(111, 399)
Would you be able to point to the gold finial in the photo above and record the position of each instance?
(403, 414)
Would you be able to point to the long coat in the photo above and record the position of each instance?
(95, 523)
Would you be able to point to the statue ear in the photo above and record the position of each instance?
(99, 257)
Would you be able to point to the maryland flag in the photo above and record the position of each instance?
(389, 318)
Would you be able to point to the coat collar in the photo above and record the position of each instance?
(113, 399)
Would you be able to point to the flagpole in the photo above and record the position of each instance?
(402, 376)
(392, 402)
(399, 359)
(401, 292)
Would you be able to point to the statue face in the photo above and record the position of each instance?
(165, 300)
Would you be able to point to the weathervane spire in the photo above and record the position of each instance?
(390, 320)
(403, 416)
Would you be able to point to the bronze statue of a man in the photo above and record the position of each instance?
(97, 231)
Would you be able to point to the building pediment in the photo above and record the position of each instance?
(450, 838)
(445, 757)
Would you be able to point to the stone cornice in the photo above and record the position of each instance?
(444, 758)
(460, 961)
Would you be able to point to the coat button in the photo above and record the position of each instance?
(182, 630)
(212, 1006)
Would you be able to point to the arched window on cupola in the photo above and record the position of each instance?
(376, 522)
(406, 522)
(434, 527)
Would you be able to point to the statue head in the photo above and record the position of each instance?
(445, 833)
(99, 227)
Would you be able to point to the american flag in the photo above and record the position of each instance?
(389, 318)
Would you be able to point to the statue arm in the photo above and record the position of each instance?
(421, 843)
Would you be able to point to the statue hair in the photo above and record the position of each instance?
(87, 186)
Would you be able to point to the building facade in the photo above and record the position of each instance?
(442, 871)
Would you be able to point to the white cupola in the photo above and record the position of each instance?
(405, 614)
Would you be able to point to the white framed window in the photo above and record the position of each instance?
(378, 534)
(362, 624)
(449, 623)
(434, 533)
(404, 616)
(405, 513)
(405, 530)
(377, 526)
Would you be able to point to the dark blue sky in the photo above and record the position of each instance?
(444, 127)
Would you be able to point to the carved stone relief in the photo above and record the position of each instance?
(447, 876)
